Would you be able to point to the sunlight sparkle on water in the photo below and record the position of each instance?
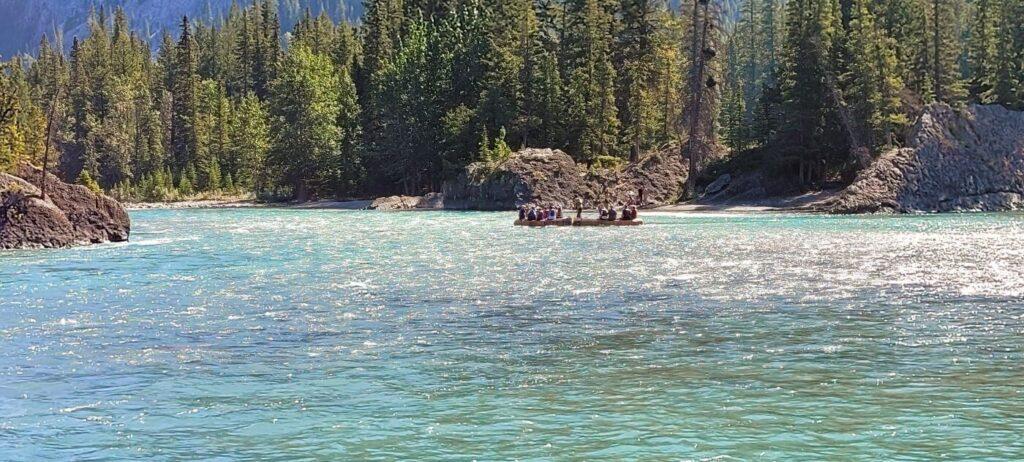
(329, 335)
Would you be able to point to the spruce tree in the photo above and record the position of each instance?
(1008, 86)
(304, 109)
(248, 143)
(635, 61)
(941, 52)
(810, 124)
(872, 79)
(593, 125)
(382, 24)
(184, 142)
(983, 49)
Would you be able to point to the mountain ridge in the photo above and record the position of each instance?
(25, 22)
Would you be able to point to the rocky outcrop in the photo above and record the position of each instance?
(528, 176)
(70, 215)
(391, 203)
(957, 160)
(432, 201)
(547, 176)
(661, 174)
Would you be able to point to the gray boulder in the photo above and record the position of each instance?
(431, 201)
(393, 203)
(718, 185)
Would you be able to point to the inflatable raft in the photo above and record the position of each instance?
(592, 222)
(541, 224)
(575, 222)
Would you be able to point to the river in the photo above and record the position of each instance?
(268, 334)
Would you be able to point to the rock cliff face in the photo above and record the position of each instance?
(546, 176)
(70, 215)
(967, 160)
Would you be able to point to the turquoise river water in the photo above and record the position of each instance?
(332, 335)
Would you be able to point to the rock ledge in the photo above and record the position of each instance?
(70, 215)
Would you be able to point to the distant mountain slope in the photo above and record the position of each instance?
(24, 22)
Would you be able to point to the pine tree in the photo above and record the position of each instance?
(350, 169)
(510, 29)
(670, 63)
(939, 57)
(873, 79)
(1008, 87)
(305, 107)
(184, 142)
(983, 49)
(11, 140)
(593, 126)
(810, 123)
(735, 130)
(266, 52)
(702, 89)
(635, 61)
(382, 24)
(248, 143)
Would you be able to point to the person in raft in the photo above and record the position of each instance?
(522, 212)
(532, 214)
(612, 215)
(579, 208)
(625, 215)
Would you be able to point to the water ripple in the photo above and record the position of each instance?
(283, 335)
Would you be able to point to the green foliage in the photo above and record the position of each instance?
(608, 162)
(11, 138)
(593, 124)
(86, 179)
(982, 49)
(497, 152)
(1008, 86)
(305, 108)
(810, 54)
(872, 79)
(249, 143)
(401, 101)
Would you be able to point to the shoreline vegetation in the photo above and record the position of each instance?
(803, 203)
(405, 99)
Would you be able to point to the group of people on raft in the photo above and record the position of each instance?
(552, 212)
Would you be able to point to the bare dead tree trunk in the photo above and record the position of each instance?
(701, 22)
(858, 149)
(49, 141)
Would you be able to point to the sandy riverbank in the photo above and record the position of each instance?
(803, 203)
(225, 204)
